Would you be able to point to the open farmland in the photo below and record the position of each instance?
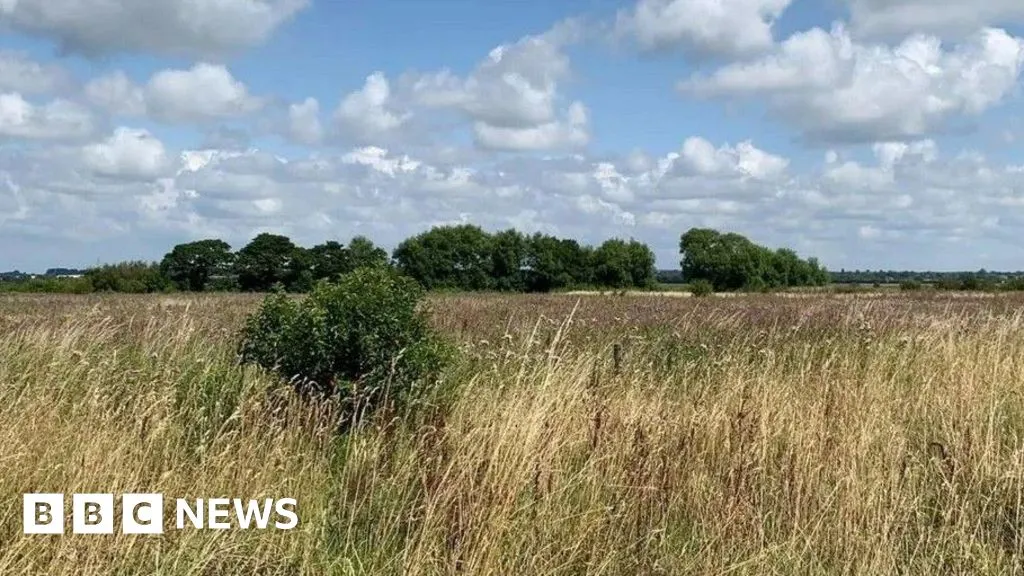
(573, 435)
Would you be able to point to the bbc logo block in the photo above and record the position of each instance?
(93, 513)
(144, 514)
(43, 513)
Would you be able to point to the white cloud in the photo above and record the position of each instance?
(201, 93)
(370, 111)
(570, 132)
(513, 98)
(425, 146)
(889, 157)
(852, 175)
(57, 120)
(19, 73)
(700, 157)
(890, 153)
(195, 28)
(950, 18)
(230, 177)
(510, 101)
(909, 191)
(869, 232)
(129, 154)
(304, 122)
(704, 27)
(116, 94)
(379, 160)
(834, 88)
(516, 86)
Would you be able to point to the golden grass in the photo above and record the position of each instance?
(743, 436)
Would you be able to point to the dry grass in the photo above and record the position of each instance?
(744, 436)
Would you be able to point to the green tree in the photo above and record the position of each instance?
(642, 269)
(362, 253)
(612, 265)
(329, 260)
(191, 266)
(448, 257)
(728, 261)
(733, 262)
(129, 277)
(508, 258)
(547, 264)
(268, 260)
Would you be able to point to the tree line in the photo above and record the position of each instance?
(454, 257)
(938, 279)
(468, 258)
(733, 262)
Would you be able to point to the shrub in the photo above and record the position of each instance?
(1015, 284)
(364, 339)
(971, 282)
(223, 284)
(757, 285)
(701, 288)
(129, 277)
(48, 285)
(910, 286)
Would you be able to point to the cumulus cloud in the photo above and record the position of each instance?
(195, 28)
(727, 28)
(201, 93)
(406, 152)
(949, 18)
(513, 97)
(516, 86)
(570, 132)
(19, 73)
(380, 160)
(226, 138)
(116, 94)
(57, 120)
(834, 88)
(304, 122)
(744, 160)
(128, 154)
(908, 196)
(371, 111)
(510, 101)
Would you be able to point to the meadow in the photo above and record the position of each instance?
(575, 434)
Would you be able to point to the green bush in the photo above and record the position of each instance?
(365, 339)
(48, 285)
(910, 286)
(757, 285)
(129, 277)
(701, 288)
(1015, 284)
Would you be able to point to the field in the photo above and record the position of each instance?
(825, 434)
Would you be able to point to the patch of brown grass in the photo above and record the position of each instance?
(595, 435)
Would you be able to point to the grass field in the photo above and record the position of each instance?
(574, 435)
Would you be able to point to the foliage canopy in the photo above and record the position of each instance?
(732, 262)
(364, 338)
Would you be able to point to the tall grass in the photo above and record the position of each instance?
(608, 435)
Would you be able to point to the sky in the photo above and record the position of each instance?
(872, 134)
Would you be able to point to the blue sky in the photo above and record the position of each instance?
(870, 133)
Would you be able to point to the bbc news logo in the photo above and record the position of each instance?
(144, 513)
